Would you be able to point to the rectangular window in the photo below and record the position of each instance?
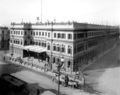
(58, 35)
(80, 35)
(80, 47)
(42, 33)
(63, 36)
(36, 33)
(39, 33)
(45, 33)
(75, 36)
(63, 49)
(48, 34)
(54, 35)
(69, 36)
(25, 32)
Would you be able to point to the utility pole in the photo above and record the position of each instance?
(51, 45)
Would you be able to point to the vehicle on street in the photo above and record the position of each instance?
(10, 84)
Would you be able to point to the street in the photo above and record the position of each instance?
(104, 74)
(36, 80)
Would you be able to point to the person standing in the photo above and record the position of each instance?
(66, 80)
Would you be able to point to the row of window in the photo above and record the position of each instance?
(78, 62)
(82, 35)
(90, 44)
(62, 35)
(78, 35)
(38, 33)
(59, 48)
(16, 32)
(39, 43)
(78, 48)
(95, 33)
(16, 41)
(56, 48)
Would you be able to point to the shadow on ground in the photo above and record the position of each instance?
(36, 86)
(9, 68)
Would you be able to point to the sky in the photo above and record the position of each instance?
(91, 11)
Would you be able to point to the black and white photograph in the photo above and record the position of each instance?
(59, 47)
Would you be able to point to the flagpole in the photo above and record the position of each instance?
(41, 11)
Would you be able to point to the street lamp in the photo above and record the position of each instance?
(59, 67)
(12, 44)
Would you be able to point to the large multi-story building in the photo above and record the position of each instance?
(76, 42)
(4, 38)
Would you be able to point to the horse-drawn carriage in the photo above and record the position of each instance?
(72, 82)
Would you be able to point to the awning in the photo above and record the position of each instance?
(35, 48)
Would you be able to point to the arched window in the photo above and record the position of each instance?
(58, 47)
(44, 44)
(48, 46)
(39, 43)
(18, 41)
(54, 47)
(36, 42)
(63, 48)
(69, 50)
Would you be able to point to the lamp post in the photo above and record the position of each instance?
(12, 44)
(59, 67)
(51, 45)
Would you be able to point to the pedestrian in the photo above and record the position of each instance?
(38, 91)
(66, 80)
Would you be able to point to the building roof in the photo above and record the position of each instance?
(62, 26)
